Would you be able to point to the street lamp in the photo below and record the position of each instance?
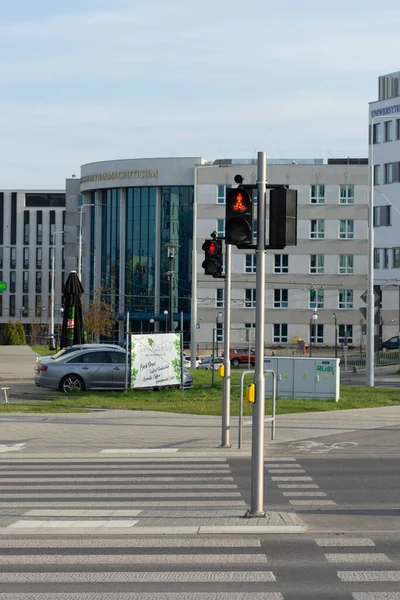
(335, 318)
(80, 239)
(152, 321)
(313, 322)
(21, 312)
(51, 332)
(166, 320)
(219, 316)
(58, 328)
(171, 255)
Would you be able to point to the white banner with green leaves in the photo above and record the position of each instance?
(155, 360)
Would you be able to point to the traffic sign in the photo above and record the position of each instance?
(377, 299)
(3, 286)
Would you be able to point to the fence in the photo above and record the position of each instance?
(382, 359)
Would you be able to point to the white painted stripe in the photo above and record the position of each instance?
(144, 577)
(125, 486)
(115, 468)
(123, 472)
(91, 524)
(367, 576)
(99, 512)
(341, 541)
(198, 542)
(291, 478)
(303, 494)
(143, 503)
(312, 502)
(133, 559)
(114, 479)
(285, 471)
(374, 557)
(270, 465)
(109, 460)
(294, 486)
(119, 494)
(376, 595)
(136, 450)
(145, 596)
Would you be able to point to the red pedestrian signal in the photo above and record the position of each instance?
(213, 259)
(239, 217)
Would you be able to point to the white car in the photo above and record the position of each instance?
(188, 360)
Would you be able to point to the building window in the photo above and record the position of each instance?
(250, 266)
(317, 194)
(51, 252)
(377, 135)
(25, 282)
(280, 333)
(1, 258)
(26, 226)
(383, 216)
(221, 195)
(63, 258)
(346, 229)
(12, 305)
(317, 334)
(377, 258)
(219, 300)
(281, 299)
(38, 282)
(220, 332)
(250, 298)
(25, 306)
(317, 229)
(346, 264)
(220, 227)
(386, 258)
(316, 298)
(38, 306)
(317, 264)
(388, 131)
(281, 263)
(346, 299)
(388, 172)
(396, 258)
(397, 129)
(13, 258)
(345, 332)
(1, 305)
(52, 227)
(39, 228)
(13, 279)
(377, 175)
(26, 258)
(38, 258)
(346, 194)
(49, 280)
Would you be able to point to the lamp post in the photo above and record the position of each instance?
(51, 332)
(80, 239)
(166, 320)
(219, 316)
(171, 255)
(313, 322)
(58, 328)
(335, 319)
(21, 312)
(152, 321)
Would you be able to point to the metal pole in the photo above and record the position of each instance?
(193, 316)
(370, 290)
(257, 448)
(336, 349)
(127, 346)
(310, 338)
(213, 356)
(181, 356)
(216, 337)
(80, 245)
(171, 294)
(51, 336)
(226, 384)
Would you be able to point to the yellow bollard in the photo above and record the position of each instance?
(5, 400)
(251, 393)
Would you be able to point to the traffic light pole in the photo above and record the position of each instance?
(226, 390)
(257, 449)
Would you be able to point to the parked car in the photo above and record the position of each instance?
(208, 363)
(189, 360)
(74, 348)
(240, 356)
(391, 344)
(88, 369)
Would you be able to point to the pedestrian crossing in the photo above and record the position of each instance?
(197, 568)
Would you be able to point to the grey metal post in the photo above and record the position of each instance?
(127, 346)
(181, 356)
(213, 356)
(370, 290)
(257, 448)
(226, 384)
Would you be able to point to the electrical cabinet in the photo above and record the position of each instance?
(304, 378)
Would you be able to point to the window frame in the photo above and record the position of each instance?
(316, 197)
(280, 268)
(220, 301)
(281, 298)
(347, 231)
(317, 333)
(388, 130)
(319, 299)
(343, 332)
(318, 269)
(220, 232)
(319, 233)
(279, 338)
(251, 301)
(346, 198)
(388, 173)
(346, 300)
(221, 197)
(346, 270)
(250, 268)
(396, 257)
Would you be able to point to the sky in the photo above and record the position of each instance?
(88, 80)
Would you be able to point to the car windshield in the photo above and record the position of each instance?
(63, 351)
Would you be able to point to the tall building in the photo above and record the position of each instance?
(31, 226)
(384, 156)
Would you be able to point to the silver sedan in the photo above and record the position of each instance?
(91, 369)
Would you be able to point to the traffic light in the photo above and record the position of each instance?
(239, 217)
(282, 217)
(213, 258)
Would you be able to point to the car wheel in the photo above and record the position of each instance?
(71, 383)
(235, 362)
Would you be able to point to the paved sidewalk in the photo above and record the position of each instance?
(17, 363)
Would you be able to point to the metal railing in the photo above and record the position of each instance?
(382, 359)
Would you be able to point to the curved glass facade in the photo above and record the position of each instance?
(110, 246)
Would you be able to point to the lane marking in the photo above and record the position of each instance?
(285, 471)
(137, 450)
(157, 504)
(303, 478)
(133, 543)
(45, 512)
(303, 494)
(147, 596)
(288, 486)
(375, 557)
(134, 478)
(122, 486)
(376, 595)
(83, 493)
(312, 502)
(92, 523)
(362, 576)
(343, 542)
(133, 559)
(13, 448)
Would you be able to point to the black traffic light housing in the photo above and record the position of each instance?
(213, 259)
(239, 216)
(282, 217)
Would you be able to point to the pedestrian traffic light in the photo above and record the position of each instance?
(213, 259)
(282, 217)
(239, 217)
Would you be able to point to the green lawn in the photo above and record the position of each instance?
(43, 350)
(204, 400)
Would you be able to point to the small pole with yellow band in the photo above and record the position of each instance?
(251, 393)
(221, 370)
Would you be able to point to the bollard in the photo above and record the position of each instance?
(5, 399)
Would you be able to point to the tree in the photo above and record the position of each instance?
(14, 334)
(20, 331)
(8, 332)
(99, 315)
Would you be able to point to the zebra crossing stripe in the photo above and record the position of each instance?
(126, 486)
(376, 557)
(285, 471)
(303, 494)
(137, 450)
(147, 596)
(312, 502)
(39, 543)
(302, 478)
(134, 478)
(376, 595)
(294, 486)
(368, 576)
(132, 559)
(349, 542)
(140, 577)
(118, 494)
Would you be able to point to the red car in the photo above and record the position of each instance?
(241, 356)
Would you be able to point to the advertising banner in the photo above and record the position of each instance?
(155, 360)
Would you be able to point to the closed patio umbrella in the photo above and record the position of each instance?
(73, 327)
